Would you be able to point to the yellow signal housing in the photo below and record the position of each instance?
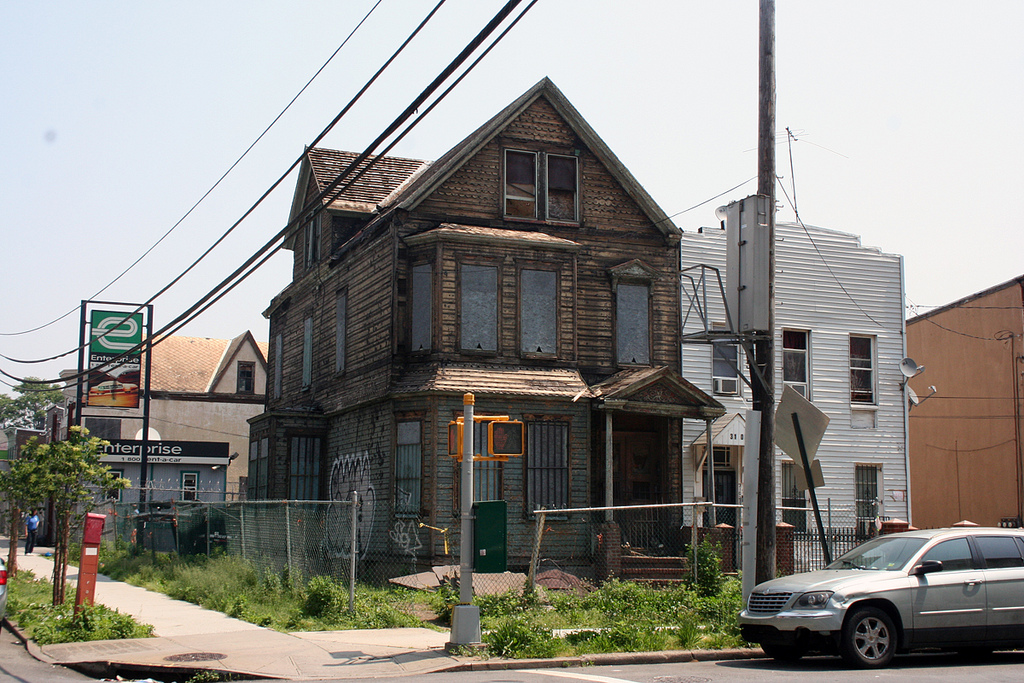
(504, 438)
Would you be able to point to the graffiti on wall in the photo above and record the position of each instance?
(350, 474)
(405, 536)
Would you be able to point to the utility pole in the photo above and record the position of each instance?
(763, 391)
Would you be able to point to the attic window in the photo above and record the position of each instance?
(536, 177)
(520, 184)
(246, 383)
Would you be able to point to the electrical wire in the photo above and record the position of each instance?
(255, 261)
(198, 202)
(262, 197)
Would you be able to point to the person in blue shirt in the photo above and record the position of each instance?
(31, 528)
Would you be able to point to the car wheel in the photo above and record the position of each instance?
(868, 639)
(784, 653)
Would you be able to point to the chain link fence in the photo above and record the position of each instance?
(568, 549)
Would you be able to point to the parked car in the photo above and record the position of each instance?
(3, 589)
(959, 589)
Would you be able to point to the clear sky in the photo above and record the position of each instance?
(118, 116)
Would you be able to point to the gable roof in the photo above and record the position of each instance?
(419, 188)
(193, 364)
(656, 390)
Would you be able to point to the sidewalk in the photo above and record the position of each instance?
(189, 637)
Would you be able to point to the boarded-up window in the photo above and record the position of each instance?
(278, 347)
(537, 311)
(307, 352)
(408, 469)
(562, 188)
(632, 322)
(479, 308)
(340, 329)
(547, 465)
(520, 184)
(304, 474)
(422, 286)
(312, 241)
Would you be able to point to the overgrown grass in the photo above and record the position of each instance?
(29, 604)
(618, 617)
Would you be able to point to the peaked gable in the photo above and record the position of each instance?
(409, 196)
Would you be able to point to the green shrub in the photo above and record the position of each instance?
(517, 637)
(325, 597)
(48, 624)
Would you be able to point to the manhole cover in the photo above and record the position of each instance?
(195, 657)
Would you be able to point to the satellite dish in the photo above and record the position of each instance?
(909, 368)
(912, 397)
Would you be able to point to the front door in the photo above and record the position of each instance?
(638, 469)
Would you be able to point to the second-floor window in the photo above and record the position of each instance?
(246, 382)
(632, 322)
(725, 368)
(794, 361)
(541, 186)
(340, 329)
(862, 369)
(422, 286)
(537, 311)
(278, 363)
(307, 352)
(479, 308)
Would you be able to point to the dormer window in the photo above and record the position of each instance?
(539, 184)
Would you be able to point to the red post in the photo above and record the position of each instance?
(89, 563)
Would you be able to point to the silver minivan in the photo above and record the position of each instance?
(959, 589)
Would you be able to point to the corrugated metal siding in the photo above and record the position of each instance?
(809, 296)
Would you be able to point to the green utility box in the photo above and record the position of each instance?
(490, 537)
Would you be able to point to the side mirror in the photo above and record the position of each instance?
(926, 567)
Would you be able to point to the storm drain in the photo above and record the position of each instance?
(195, 657)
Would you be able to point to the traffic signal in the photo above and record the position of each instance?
(505, 439)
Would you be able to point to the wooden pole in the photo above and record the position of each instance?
(763, 392)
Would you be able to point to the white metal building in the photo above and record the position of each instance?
(839, 339)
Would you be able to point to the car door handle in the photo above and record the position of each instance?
(973, 582)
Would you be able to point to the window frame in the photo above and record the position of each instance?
(340, 331)
(528, 308)
(307, 352)
(483, 331)
(245, 382)
(548, 471)
(115, 494)
(870, 369)
(186, 492)
(624, 323)
(795, 352)
(278, 364)
(413, 470)
(311, 242)
(575, 191)
(507, 197)
(716, 376)
(421, 305)
(305, 466)
(865, 518)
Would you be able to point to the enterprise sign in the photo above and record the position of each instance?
(167, 452)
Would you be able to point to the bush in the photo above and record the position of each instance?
(517, 637)
(48, 624)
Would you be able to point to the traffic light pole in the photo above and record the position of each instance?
(465, 615)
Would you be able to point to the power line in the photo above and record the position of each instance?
(255, 261)
(197, 203)
(259, 201)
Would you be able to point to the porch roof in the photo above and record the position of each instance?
(658, 391)
(488, 379)
(727, 430)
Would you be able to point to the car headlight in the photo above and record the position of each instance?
(815, 600)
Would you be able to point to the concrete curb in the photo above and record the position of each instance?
(609, 659)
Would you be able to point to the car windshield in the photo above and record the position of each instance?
(886, 553)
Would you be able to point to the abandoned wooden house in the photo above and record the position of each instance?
(526, 266)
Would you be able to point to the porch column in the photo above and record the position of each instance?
(710, 460)
(608, 469)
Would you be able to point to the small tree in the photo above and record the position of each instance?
(28, 409)
(24, 488)
(73, 476)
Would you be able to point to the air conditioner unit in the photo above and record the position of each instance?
(726, 386)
